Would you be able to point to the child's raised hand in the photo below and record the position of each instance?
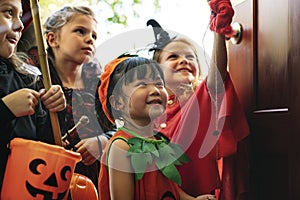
(53, 99)
(221, 17)
(22, 102)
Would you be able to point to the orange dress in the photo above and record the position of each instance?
(153, 186)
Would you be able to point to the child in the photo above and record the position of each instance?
(22, 114)
(204, 116)
(137, 163)
(71, 34)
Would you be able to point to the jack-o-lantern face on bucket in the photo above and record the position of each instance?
(44, 172)
(46, 182)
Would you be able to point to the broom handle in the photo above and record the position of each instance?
(34, 5)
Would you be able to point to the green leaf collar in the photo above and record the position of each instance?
(165, 155)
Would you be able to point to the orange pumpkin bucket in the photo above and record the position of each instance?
(36, 170)
(82, 187)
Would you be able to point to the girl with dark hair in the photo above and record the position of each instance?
(138, 163)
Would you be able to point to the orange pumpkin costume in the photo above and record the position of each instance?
(153, 186)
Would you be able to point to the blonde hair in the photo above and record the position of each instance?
(58, 19)
(18, 60)
(61, 17)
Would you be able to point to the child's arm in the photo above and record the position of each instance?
(218, 67)
(121, 178)
(220, 23)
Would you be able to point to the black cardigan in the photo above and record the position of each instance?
(34, 127)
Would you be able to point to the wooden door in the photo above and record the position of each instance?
(265, 68)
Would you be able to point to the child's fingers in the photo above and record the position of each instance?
(54, 99)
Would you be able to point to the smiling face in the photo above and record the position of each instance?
(11, 26)
(75, 42)
(143, 99)
(179, 63)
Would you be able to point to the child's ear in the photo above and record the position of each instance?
(52, 39)
(116, 102)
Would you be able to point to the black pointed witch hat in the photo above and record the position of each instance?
(162, 37)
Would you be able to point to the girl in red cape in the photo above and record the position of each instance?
(204, 115)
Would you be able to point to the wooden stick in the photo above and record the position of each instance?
(34, 5)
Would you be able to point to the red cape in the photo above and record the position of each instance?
(193, 125)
